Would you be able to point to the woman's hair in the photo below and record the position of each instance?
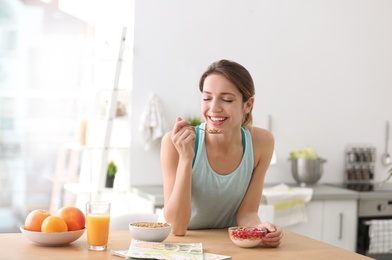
(237, 75)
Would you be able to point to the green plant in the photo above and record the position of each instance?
(389, 176)
(195, 120)
(112, 169)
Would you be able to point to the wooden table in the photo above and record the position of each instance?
(294, 246)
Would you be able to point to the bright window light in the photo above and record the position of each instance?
(108, 12)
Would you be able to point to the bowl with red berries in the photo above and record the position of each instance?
(246, 236)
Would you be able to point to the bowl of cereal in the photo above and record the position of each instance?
(246, 236)
(150, 231)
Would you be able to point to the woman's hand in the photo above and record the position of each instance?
(274, 235)
(183, 137)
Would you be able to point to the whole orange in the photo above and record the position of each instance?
(54, 224)
(34, 219)
(73, 216)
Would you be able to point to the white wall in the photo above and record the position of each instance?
(322, 69)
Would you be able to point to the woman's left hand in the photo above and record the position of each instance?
(274, 236)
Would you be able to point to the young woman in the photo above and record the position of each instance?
(215, 180)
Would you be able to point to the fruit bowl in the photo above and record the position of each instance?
(150, 231)
(52, 238)
(246, 236)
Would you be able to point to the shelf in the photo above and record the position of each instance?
(78, 147)
(79, 188)
(87, 188)
(47, 94)
(360, 164)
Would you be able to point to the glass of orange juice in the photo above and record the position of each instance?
(97, 224)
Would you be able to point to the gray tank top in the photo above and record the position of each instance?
(216, 198)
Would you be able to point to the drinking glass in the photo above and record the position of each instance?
(97, 222)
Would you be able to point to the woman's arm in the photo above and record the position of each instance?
(177, 153)
(247, 215)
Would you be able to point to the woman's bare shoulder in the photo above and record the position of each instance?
(263, 145)
(262, 136)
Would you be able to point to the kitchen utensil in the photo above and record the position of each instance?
(386, 157)
(273, 159)
(307, 171)
(210, 131)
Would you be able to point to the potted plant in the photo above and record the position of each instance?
(110, 174)
(195, 120)
(389, 176)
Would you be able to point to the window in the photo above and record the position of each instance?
(55, 68)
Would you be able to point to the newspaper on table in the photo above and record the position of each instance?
(167, 251)
(157, 250)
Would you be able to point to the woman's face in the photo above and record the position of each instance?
(222, 105)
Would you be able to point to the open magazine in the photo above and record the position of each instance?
(154, 250)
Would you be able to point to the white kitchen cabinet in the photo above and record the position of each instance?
(331, 221)
(339, 223)
(312, 228)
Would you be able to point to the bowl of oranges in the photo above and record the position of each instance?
(62, 228)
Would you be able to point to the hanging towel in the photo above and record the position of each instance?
(380, 235)
(152, 125)
(289, 204)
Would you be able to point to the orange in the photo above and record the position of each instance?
(54, 224)
(73, 216)
(34, 219)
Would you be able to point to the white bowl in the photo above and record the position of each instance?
(52, 238)
(150, 231)
(246, 236)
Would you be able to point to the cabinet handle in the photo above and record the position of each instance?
(340, 226)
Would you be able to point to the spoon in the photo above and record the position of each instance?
(211, 131)
(386, 158)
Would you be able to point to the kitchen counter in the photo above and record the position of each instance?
(375, 195)
(327, 192)
(154, 193)
(381, 191)
(217, 241)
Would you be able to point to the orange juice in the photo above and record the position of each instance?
(97, 229)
